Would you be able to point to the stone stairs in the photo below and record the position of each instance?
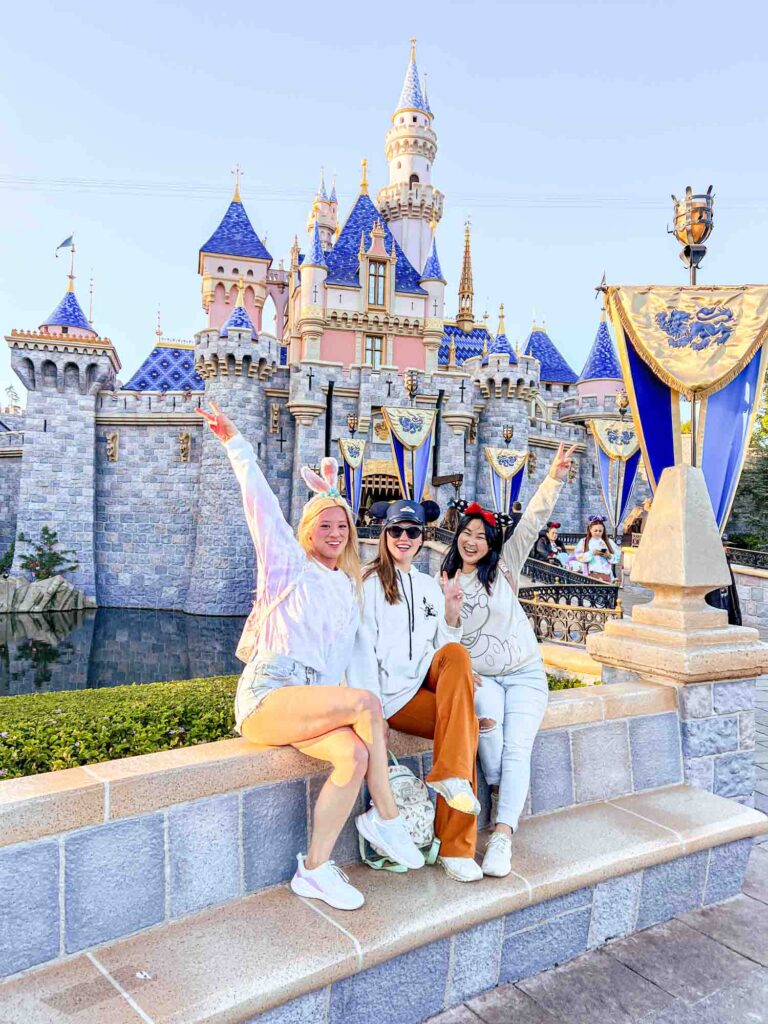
(153, 888)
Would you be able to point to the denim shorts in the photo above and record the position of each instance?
(262, 675)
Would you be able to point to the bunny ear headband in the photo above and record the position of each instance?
(325, 485)
(466, 508)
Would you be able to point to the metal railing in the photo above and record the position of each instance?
(564, 623)
(748, 557)
(575, 595)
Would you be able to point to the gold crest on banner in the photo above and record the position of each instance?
(696, 340)
(617, 439)
(504, 462)
(352, 452)
(411, 427)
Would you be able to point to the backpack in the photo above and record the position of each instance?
(418, 813)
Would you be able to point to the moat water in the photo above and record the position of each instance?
(111, 647)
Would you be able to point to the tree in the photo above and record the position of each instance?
(47, 559)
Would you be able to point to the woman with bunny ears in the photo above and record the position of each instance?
(297, 644)
(512, 692)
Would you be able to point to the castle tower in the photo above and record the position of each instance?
(433, 282)
(324, 213)
(465, 317)
(601, 377)
(235, 368)
(63, 365)
(232, 251)
(410, 203)
(313, 274)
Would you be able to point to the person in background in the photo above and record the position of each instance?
(548, 548)
(596, 552)
(727, 598)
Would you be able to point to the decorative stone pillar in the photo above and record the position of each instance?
(678, 640)
(309, 440)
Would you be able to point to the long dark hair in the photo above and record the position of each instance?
(488, 566)
(383, 566)
(605, 536)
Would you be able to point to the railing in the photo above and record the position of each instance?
(575, 595)
(549, 572)
(564, 623)
(746, 556)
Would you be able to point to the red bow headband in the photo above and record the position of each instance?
(476, 509)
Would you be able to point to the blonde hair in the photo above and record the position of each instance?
(349, 559)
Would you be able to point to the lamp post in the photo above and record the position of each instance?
(411, 383)
(507, 432)
(693, 222)
(622, 403)
(352, 422)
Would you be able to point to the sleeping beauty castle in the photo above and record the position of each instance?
(143, 494)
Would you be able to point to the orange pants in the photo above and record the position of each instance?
(444, 710)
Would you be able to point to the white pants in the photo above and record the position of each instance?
(516, 703)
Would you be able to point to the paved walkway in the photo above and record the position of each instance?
(706, 967)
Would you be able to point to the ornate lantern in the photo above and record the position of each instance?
(507, 432)
(693, 222)
(352, 422)
(411, 383)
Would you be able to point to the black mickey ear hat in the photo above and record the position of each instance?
(406, 511)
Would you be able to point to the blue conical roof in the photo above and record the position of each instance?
(601, 363)
(235, 236)
(500, 346)
(315, 257)
(411, 96)
(333, 198)
(554, 368)
(238, 321)
(167, 368)
(432, 269)
(68, 314)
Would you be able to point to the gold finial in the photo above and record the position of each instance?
(465, 317)
(237, 171)
(602, 314)
(485, 347)
(433, 226)
(71, 285)
(364, 181)
(502, 328)
(361, 250)
(158, 329)
(90, 301)
(413, 48)
(452, 353)
(241, 291)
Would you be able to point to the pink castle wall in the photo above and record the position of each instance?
(408, 352)
(220, 310)
(338, 347)
(599, 388)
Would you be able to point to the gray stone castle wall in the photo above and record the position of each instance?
(10, 477)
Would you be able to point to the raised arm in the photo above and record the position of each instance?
(273, 538)
(537, 513)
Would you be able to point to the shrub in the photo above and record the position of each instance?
(566, 683)
(49, 731)
(47, 560)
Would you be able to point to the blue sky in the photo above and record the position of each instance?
(562, 130)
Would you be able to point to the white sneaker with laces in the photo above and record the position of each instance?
(391, 837)
(498, 855)
(458, 794)
(461, 869)
(328, 883)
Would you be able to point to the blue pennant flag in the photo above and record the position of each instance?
(64, 245)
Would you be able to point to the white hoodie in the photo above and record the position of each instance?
(397, 642)
(496, 630)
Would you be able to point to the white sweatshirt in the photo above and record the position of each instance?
(397, 642)
(317, 621)
(496, 630)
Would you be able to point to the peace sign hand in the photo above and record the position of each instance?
(454, 599)
(562, 462)
(221, 425)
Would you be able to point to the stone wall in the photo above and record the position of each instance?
(10, 477)
(752, 585)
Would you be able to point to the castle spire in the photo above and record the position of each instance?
(465, 317)
(237, 171)
(364, 179)
(502, 329)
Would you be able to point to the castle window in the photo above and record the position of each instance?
(413, 180)
(235, 270)
(65, 330)
(565, 388)
(249, 274)
(219, 270)
(377, 275)
(415, 119)
(547, 387)
(373, 350)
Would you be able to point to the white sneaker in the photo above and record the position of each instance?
(498, 855)
(462, 869)
(328, 883)
(390, 837)
(458, 794)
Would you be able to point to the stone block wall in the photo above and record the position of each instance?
(146, 515)
(10, 477)
(752, 585)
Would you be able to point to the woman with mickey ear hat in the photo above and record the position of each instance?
(297, 644)
(512, 691)
(410, 655)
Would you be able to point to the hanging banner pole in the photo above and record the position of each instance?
(506, 470)
(352, 455)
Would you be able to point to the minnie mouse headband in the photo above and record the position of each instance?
(596, 519)
(325, 485)
(474, 508)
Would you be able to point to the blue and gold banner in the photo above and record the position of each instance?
(506, 469)
(352, 454)
(618, 457)
(410, 434)
(703, 345)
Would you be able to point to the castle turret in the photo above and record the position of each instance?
(63, 366)
(433, 281)
(410, 203)
(234, 250)
(324, 213)
(601, 377)
(313, 274)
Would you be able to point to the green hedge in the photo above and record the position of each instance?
(45, 732)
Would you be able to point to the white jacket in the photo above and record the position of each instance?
(495, 629)
(397, 642)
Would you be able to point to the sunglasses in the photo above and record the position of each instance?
(411, 532)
